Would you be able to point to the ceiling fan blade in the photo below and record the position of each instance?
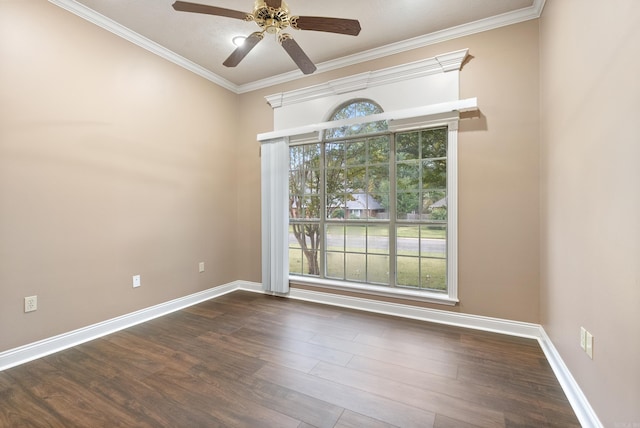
(242, 51)
(183, 6)
(297, 54)
(274, 3)
(329, 25)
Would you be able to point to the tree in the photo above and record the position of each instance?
(304, 201)
(345, 174)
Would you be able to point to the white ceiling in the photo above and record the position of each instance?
(202, 42)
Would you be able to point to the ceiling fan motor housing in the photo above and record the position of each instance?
(270, 19)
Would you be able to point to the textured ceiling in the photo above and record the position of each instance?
(206, 40)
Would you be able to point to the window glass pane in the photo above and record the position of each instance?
(334, 155)
(434, 205)
(309, 239)
(312, 181)
(433, 274)
(336, 206)
(408, 176)
(312, 210)
(408, 271)
(433, 242)
(310, 263)
(380, 206)
(434, 174)
(312, 154)
(296, 182)
(407, 205)
(379, 150)
(296, 157)
(378, 269)
(295, 261)
(408, 240)
(335, 192)
(335, 237)
(378, 239)
(356, 179)
(407, 146)
(434, 143)
(356, 267)
(356, 153)
(293, 242)
(356, 239)
(335, 265)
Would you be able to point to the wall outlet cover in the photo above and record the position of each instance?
(30, 303)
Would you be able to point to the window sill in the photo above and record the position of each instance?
(377, 290)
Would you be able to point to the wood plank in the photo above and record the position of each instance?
(420, 398)
(350, 419)
(431, 361)
(358, 401)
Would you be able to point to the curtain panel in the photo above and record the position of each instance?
(275, 215)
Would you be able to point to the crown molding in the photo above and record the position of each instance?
(509, 18)
(532, 12)
(120, 30)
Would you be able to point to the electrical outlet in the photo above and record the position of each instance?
(589, 345)
(136, 281)
(583, 338)
(30, 303)
(201, 267)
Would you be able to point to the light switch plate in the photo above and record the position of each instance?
(589, 345)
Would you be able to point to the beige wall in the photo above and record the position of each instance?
(113, 162)
(499, 182)
(590, 204)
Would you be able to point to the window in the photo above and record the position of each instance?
(370, 206)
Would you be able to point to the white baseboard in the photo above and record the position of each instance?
(512, 328)
(579, 402)
(32, 351)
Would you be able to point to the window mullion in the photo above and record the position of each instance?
(323, 213)
(392, 211)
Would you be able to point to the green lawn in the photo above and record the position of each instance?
(412, 272)
(431, 231)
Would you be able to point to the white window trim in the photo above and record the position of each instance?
(414, 115)
(444, 114)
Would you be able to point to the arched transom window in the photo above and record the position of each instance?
(354, 109)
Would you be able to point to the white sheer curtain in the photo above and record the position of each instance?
(275, 215)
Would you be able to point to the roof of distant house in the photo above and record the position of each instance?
(362, 201)
(442, 203)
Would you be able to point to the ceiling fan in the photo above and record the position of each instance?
(273, 16)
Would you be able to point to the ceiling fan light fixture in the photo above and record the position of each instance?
(238, 40)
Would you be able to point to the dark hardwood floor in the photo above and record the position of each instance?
(251, 360)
